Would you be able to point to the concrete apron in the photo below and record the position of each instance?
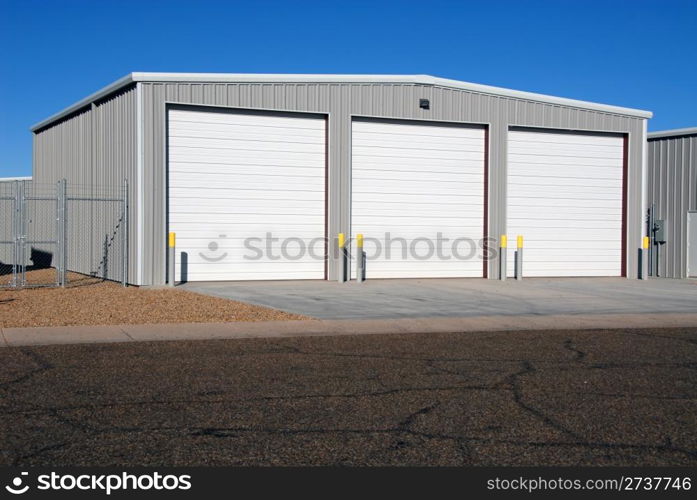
(450, 298)
(12, 337)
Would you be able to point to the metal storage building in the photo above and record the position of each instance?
(672, 191)
(215, 157)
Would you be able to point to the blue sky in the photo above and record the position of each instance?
(634, 53)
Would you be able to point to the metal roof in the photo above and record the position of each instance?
(676, 132)
(296, 78)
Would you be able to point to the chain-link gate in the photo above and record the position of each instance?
(8, 234)
(50, 234)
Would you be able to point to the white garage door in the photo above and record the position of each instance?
(565, 198)
(247, 195)
(418, 198)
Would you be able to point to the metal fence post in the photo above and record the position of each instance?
(503, 248)
(22, 234)
(519, 258)
(649, 232)
(59, 236)
(16, 230)
(63, 196)
(124, 222)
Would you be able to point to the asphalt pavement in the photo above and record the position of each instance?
(592, 397)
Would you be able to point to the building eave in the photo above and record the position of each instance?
(677, 132)
(426, 80)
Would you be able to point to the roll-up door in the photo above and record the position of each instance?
(565, 196)
(247, 194)
(418, 198)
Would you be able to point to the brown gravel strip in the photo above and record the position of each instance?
(88, 301)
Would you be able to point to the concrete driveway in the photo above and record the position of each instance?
(422, 298)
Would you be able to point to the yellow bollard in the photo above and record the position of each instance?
(519, 258)
(171, 243)
(644, 254)
(360, 259)
(344, 258)
(503, 245)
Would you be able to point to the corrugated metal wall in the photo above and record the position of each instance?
(95, 150)
(672, 187)
(63, 150)
(341, 102)
(67, 148)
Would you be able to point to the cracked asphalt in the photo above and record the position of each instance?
(599, 397)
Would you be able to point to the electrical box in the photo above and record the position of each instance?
(659, 231)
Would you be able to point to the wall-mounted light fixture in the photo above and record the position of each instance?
(424, 104)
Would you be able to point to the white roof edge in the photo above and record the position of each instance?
(121, 82)
(326, 78)
(676, 132)
(531, 96)
(21, 178)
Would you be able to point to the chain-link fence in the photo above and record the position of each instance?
(8, 229)
(53, 233)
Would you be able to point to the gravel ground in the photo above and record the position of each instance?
(603, 397)
(89, 301)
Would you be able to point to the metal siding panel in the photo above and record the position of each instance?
(65, 150)
(116, 157)
(635, 189)
(689, 191)
(339, 170)
(674, 239)
(62, 150)
(672, 187)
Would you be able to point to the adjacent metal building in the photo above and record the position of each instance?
(217, 156)
(672, 191)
